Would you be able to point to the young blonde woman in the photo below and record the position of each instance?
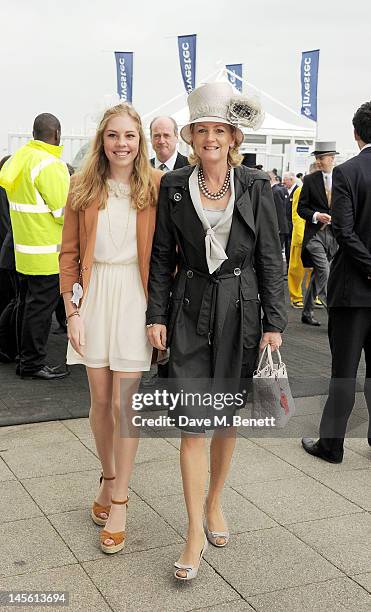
(104, 264)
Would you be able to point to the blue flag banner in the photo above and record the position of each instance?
(124, 69)
(236, 69)
(187, 58)
(309, 79)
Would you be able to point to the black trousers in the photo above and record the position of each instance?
(37, 299)
(286, 242)
(349, 332)
(8, 343)
(60, 314)
(6, 288)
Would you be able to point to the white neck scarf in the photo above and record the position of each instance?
(216, 238)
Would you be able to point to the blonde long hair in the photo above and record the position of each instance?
(90, 184)
(234, 157)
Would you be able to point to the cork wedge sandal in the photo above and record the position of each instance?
(118, 537)
(98, 509)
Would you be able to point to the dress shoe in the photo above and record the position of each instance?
(46, 373)
(310, 320)
(315, 449)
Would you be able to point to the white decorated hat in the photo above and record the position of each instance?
(218, 103)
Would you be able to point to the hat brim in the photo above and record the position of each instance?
(186, 133)
(321, 153)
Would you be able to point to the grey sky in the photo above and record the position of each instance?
(54, 55)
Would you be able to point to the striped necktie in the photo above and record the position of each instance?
(163, 167)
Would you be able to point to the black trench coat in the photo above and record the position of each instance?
(214, 320)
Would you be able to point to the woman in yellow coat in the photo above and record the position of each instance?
(297, 272)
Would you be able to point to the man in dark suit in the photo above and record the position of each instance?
(279, 196)
(319, 244)
(349, 293)
(164, 139)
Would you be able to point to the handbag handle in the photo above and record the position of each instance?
(267, 353)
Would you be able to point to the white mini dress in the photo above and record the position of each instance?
(114, 309)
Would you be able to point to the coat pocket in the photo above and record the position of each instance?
(251, 323)
(249, 285)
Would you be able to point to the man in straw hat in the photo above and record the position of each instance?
(319, 244)
(349, 293)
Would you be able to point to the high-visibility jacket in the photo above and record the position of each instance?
(36, 181)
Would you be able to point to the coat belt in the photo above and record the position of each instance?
(206, 317)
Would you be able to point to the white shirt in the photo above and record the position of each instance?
(367, 146)
(170, 163)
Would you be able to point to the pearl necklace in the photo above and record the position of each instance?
(218, 195)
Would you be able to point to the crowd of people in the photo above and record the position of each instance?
(182, 257)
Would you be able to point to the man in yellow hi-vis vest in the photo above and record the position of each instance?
(37, 181)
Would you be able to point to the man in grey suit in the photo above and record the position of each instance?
(319, 244)
(164, 139)
(349, 293)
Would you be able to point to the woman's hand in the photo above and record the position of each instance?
(157, 336)
(272, 338)
(76, 334)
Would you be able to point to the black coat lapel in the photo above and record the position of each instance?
(242, 199)
(320, 187)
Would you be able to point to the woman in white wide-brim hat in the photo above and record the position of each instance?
(216, 261)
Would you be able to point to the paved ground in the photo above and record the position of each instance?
(301, 528)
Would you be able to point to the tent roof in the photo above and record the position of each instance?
(271, 126)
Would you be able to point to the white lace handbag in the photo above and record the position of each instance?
(272, 395)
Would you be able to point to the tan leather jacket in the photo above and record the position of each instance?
(78, 242)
